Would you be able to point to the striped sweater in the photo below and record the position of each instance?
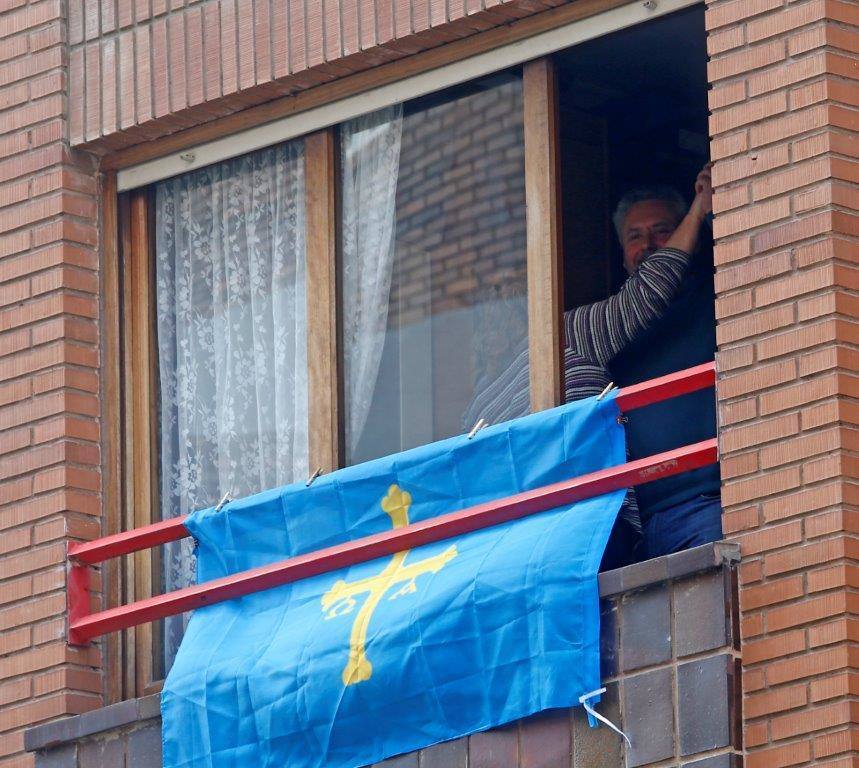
(594, 333)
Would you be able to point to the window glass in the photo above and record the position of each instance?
(231, 327)
(433, 267)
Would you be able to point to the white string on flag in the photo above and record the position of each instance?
(583, 700)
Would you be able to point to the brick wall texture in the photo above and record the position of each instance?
(784, 140)
(460, 229)
(49, 375)
(106, 74)
(139, 69)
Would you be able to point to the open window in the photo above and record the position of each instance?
(338, 357)
(633, 113)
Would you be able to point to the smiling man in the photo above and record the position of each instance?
(685, 510)
(645, 219)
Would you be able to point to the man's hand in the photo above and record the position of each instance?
(703, 202)
(685, 237)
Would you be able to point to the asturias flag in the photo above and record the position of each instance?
(385, 657)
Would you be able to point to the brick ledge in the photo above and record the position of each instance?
(669, 567)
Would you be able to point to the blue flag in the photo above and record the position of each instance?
(351, 667)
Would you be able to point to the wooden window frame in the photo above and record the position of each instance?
(545, 262)
(324, 382)
(130, 409)
(131, 466)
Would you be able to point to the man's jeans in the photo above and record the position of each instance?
(694, 522)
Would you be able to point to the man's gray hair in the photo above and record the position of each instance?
(661, 192)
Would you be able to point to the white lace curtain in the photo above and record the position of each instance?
(232, 330)
(370, 160)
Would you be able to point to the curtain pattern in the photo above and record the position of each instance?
(232, 330)
(370, 159)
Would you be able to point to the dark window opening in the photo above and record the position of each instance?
(633, 113)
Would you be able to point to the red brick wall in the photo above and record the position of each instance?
(784, 139)
(143, 69)
(49, 376)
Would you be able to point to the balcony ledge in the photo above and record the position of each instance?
(658, 627)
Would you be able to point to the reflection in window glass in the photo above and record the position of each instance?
(433, 265)
(232, 331)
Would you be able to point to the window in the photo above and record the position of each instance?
(433, 247)
(633, 114)
(358, 291)
(282, 332)
(231, 328)
(227, 345)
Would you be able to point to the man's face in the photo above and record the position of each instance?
(646, 228)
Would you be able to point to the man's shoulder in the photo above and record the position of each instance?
(683, 337)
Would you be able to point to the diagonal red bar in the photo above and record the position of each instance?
(92, 552)
(443, 527)
(666, 387)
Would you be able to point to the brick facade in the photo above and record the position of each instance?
(460, 230)
(145, 69)
(784, 138)
(101, 75)
(49, 376)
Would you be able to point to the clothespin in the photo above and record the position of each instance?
(481, 423)
(224, 499)
(313, 477)
(608, 388)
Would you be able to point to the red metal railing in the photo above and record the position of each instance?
(83, 626)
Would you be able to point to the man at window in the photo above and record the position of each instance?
(658, 235)
(684, 510)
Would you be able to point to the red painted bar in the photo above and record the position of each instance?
(92, 552)
(387, 543)
(78, 594)
(666, 387)
(628, 399)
